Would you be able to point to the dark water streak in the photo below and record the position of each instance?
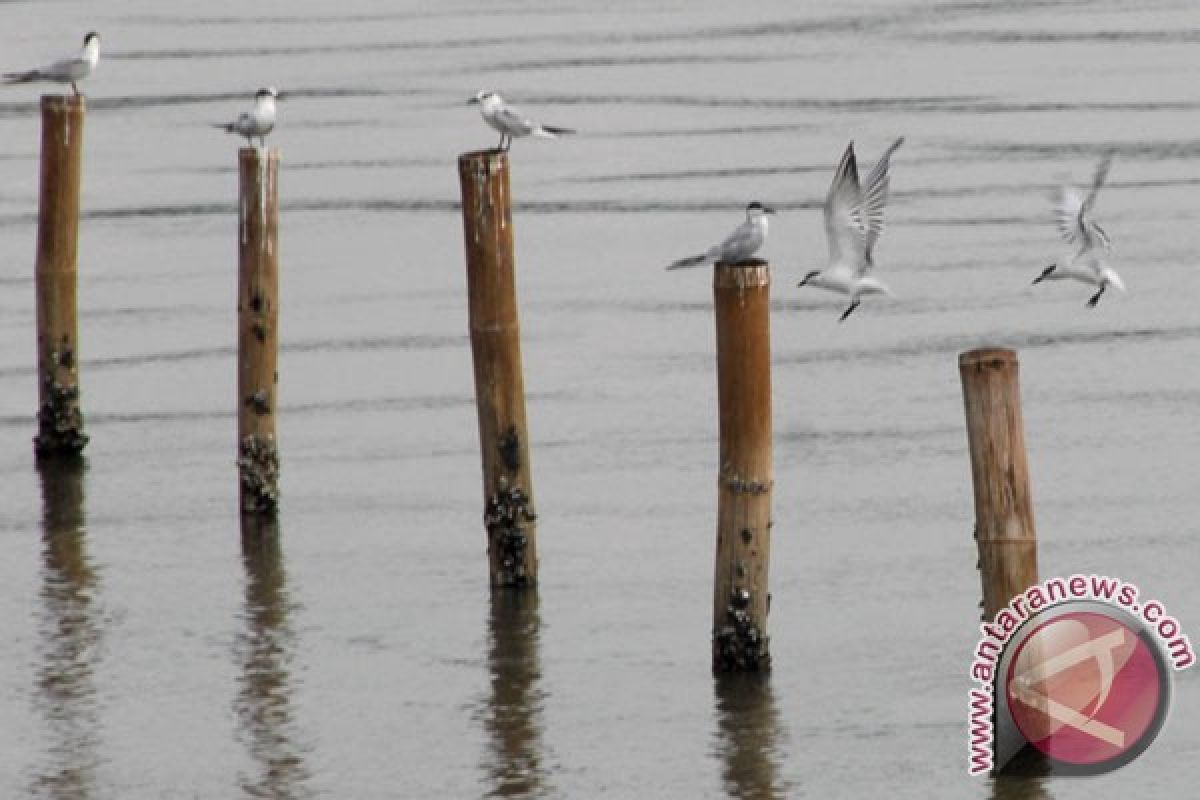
(156, 101)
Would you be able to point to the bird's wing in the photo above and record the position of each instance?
(1098, 179)
(513, 121)
(65, 69)
(1073, 211)
(1095, 234)
(741, 244)
(875, 195)
(1068, 213)
(844, 225)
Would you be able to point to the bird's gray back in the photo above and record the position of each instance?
(511, 121)
(741, 244)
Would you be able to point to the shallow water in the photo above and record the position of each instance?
(149, 655)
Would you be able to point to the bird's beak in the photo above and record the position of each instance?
(473, 101)
(1042, 276)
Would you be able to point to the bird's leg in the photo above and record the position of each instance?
(1096, 297)
(74, 89)
(501, 145)
(848, 311)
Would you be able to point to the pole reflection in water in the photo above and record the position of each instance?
(750, 736)
(264, 650)
(70, 632)
(1024, 778)
(513, 714)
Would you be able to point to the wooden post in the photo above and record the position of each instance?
(499, 385)
(741, 598)
(60, 419)
(258, 328)
(1004, 526)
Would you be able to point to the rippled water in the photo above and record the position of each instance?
(149, 654)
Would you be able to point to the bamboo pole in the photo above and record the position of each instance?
(60, 418)
(1004, 528)
(499, 384)
(741, 599)
(258, 328)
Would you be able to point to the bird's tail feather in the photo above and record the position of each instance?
(550, 131)
(684, 263)
(21, 77)
(223, 126)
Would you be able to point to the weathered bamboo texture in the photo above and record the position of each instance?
(60, 418)
(509, 515)
(258, 328)
(741, 598)
(1004, 526)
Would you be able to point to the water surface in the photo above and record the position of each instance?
(354, 651)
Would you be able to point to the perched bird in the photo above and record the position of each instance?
(258, 121)
(1088, 264)
(853, 224)
(739, 245)
(69, 70)
(509, 120)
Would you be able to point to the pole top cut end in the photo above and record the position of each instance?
(256, 152)
(493, 158)
(988, 357)
(63, 102)
(741, 274)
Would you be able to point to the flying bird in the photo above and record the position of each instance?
(744, 242)
(853, 224)
(68, 70)
(1089, 263)
(509, 120)
(258, 121)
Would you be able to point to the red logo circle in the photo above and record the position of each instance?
(1088, 690)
